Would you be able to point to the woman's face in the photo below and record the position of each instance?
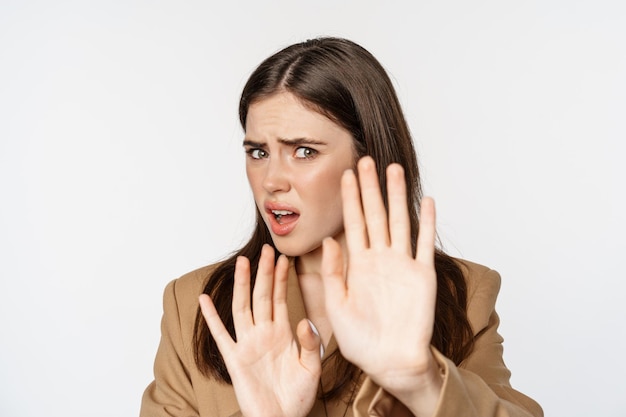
(295, 159)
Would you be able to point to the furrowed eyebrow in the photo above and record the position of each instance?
(253, 144)
(301, 141)
(290, 142)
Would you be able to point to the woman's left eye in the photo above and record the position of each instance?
(305, 153)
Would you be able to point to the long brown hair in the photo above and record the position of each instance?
(343, 81)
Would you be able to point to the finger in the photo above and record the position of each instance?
(373, 205)
(353, 220)
(262, 294)
(242, 313)
(399, 224)
(335, 288)
(427, 233)
(281, 274)
(311, 348)
(222, 338)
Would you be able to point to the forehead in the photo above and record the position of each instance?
(283, 114)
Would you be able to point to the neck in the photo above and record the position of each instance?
(311, 263)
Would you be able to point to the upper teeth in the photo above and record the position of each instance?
(281, 212)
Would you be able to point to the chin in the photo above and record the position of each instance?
(293, 250)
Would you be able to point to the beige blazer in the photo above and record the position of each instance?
(478, 387)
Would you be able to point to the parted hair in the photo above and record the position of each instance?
(344, 82)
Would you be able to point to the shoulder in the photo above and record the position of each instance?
(190, 284)
(479, 277)
(180, 297)
(483, 286)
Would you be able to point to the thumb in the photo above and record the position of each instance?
(333, 275)
(312, 350)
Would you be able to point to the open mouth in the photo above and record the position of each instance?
(284, 216)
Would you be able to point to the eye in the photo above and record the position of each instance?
(256, 153)
(305, 153)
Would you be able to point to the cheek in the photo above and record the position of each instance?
(324, 188)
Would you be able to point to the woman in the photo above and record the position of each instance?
(360, 314)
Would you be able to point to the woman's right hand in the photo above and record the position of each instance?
(270, 376)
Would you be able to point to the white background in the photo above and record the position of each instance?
(121, 168)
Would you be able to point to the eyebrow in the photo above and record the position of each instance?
(291, 142)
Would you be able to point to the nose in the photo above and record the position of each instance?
(276, 176)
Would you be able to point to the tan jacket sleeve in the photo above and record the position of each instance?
(171, 392)
(479, 386)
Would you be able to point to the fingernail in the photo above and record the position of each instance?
(313, 328)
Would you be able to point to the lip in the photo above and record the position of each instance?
(278, 228)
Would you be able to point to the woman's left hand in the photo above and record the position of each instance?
(381, 300)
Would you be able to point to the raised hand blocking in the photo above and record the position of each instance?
(269, 375)
(381, 303)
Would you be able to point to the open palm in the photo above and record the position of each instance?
(381, 303)
(270, 375)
